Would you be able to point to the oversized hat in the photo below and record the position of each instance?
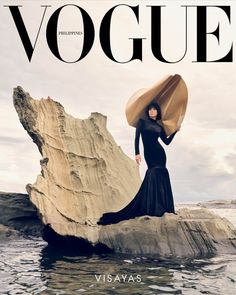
(170, 93)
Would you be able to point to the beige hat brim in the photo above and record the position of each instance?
(170, 93)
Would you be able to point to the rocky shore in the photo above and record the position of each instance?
(84, 174)
(218, 204)
(18, 216)
(189, 234)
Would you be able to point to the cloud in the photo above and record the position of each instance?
(7, 140)
(198, 173)
(201, 159)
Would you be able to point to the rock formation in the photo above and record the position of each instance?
(7, 233)
(17, 213)
(218, 204)
(191, 233)
(84, 174)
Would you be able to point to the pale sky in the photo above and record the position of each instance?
(202, 157)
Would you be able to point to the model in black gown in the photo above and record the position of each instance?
(154, 197)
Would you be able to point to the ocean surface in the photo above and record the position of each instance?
(29, 266)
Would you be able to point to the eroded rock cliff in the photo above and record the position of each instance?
(84, 172)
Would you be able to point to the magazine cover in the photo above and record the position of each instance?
(117, 140)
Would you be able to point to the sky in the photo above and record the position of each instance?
(201, 159)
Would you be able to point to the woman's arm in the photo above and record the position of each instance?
(165, 139)
(137, 136)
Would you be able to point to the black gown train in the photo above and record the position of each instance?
(154, 197)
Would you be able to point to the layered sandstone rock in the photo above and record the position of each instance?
(191, 233)
(84, 172)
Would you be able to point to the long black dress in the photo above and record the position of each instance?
(154, 197)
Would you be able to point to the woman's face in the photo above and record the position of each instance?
(152, 112)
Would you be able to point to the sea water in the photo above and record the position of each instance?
(30, 266)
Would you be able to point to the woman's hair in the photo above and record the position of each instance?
(156, 106)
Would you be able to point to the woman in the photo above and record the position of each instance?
(154, 197)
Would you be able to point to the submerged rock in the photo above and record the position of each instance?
(84, 174)
(7, 233)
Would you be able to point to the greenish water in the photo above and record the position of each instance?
(30, 267)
